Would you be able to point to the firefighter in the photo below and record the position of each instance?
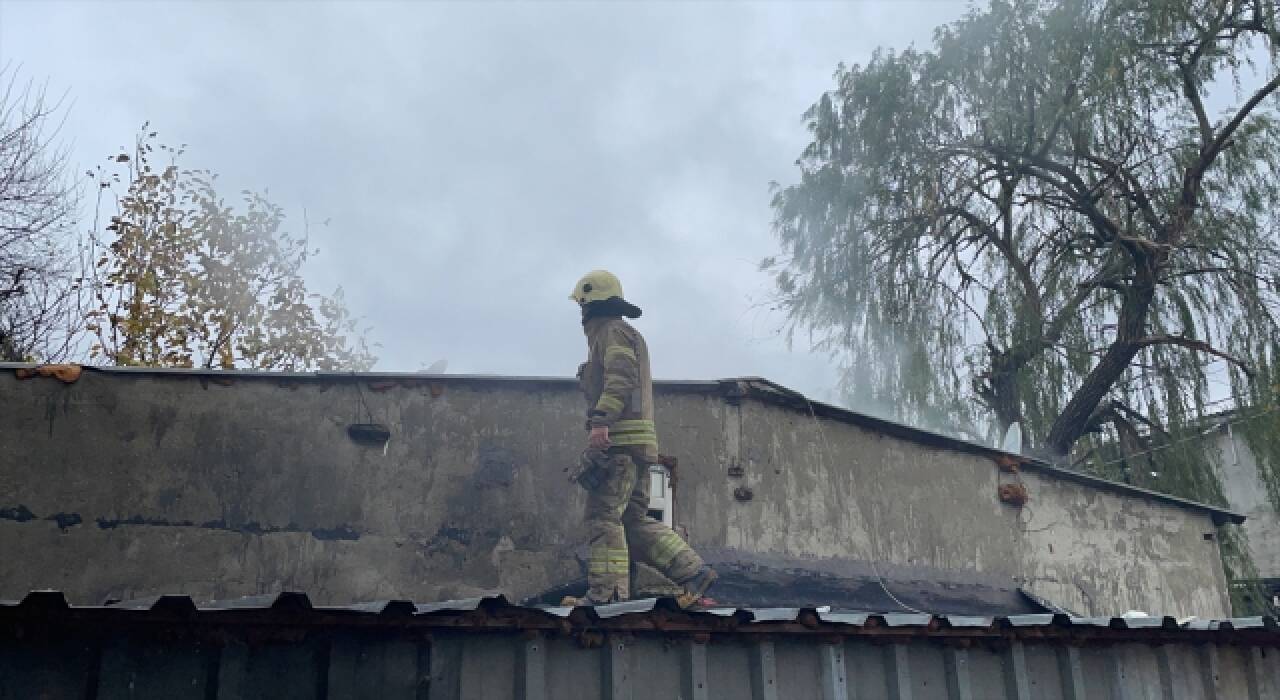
(621, 444)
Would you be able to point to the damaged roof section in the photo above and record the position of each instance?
(770, 580)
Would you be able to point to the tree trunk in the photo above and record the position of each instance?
(1003, 398)
(1073, 421)
(8, 353)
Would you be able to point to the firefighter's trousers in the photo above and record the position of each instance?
(619, 527)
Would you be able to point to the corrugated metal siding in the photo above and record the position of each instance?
(282, 647)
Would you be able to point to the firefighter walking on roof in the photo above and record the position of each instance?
(621, 444)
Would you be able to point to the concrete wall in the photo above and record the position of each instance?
(1245, 491)
(834, 489)
(125, 485)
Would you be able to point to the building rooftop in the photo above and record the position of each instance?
(732, 389)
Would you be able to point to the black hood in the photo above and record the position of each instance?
(613, 306)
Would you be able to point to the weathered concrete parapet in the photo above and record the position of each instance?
(129, 483)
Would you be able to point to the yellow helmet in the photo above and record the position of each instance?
(597, 285)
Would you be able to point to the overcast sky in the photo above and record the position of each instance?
(475, 159)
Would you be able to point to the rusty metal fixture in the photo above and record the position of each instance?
(67, 374)
(590, 639)
(1009, 463)
(743, 493)
(1014, 494)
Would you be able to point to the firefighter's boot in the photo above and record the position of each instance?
(696, 587)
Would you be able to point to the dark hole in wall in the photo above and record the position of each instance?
(19, 513)
(65, 520)
(373, 434)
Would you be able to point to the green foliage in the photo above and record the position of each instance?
(1038, 220)
(1259, 423)
(183, 279)
(1248, 595)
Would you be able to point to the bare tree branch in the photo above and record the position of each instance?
(1193, 344)
(37, 206)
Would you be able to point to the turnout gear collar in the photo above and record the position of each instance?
(610, 308)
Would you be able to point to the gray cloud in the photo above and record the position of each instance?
(474, 160)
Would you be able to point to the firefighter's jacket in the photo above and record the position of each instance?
(616, 382)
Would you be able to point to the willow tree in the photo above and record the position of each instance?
(1059, 215)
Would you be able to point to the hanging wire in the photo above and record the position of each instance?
(1216, 427)
(369, 412)
(827, 451)
(360, 393)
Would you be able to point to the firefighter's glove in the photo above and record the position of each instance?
(598, 439)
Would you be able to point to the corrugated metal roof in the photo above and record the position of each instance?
(754, 387)
(280, 646)
(495, 612)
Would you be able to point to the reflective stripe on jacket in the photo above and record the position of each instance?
(617, 384)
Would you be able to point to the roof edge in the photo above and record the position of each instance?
(495, 612)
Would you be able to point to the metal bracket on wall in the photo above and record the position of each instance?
(1013, 494)
(672, 465)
